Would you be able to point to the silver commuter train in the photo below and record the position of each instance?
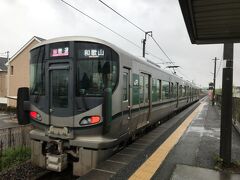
(89, 97)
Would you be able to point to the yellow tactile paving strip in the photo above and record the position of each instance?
(149, 167)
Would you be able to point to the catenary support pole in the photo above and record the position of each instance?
(226, 108)
(144, 42)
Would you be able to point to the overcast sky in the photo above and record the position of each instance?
(23, 19)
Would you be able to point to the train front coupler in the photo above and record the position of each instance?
(56, 159)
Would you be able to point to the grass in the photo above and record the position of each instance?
(14, 156)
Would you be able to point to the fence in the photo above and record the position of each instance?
(235, 109)
(15, 137)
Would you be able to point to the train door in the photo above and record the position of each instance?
(60, 95)
(126, 106)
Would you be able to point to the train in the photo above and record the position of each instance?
(87, 98)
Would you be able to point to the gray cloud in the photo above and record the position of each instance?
(23, 19)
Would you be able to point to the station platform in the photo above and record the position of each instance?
(184, 147)
(196, 154)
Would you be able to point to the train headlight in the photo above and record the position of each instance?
(90, 120)
(34, 115)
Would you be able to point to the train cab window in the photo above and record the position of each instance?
(59, 88)
(125, 87)
(97, 68)
(165, 90)
(37, 71)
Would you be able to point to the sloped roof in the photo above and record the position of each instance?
(38, 39)
(3, 61)
(212, 21)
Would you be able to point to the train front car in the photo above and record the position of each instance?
(71, 86)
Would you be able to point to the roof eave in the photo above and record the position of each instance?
(18, 52)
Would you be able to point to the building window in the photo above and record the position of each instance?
(11, 70)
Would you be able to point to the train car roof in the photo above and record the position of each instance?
(96, 40)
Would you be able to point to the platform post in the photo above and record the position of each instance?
(226, 108)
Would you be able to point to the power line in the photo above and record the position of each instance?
(162, 49)
(122, 16)
(137, 28)
(73, 7)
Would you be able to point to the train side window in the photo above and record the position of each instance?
(125, 86)
(180, 91)
(175, 86)
(135, 89)
(153, 90)
(156, 90)
(171, 90)
(165, 90)
(183, 91)
(141, 89)
(159, 92)
(146, 88)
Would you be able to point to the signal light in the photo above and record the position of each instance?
(34, 115)
(90, 120)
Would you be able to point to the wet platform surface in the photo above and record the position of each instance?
(199, 146)
(184, 172)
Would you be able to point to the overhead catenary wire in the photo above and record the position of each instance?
(75, 8)
(98, 22)
(108, 6)
(122, 16)
(162, 49)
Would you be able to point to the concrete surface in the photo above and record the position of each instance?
(184, 172)
(200, 144)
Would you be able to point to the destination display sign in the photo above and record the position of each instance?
(91, 53)
(59, 52)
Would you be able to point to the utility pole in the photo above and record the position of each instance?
(144, 41)
(214, 80)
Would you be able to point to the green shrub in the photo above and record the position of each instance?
(13, 156)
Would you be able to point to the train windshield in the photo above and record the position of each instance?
(37, 72)
(97, 68)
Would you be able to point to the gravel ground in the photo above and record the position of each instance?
(23, 171)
